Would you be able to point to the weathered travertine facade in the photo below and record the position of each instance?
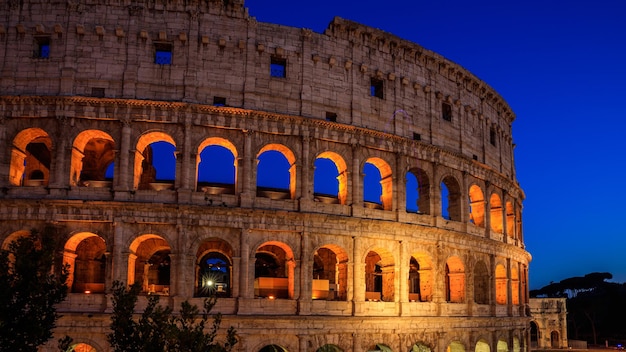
(549, 324)
(93, 90)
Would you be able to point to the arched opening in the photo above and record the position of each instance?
(455, 346)
(382, 348)
(273, 348)
(455, 280)
(420, 347)
(155, 162)
(501, 284)
(514, 285)
(150, 264)
(502, 346)
(510, 220)
(276, 172)
(214, 277)
(417, 192)
(482, 346)
(420, 278)
(495, 206)
(217, 166)
(516, 345)
(377, 184)
(379, 276)
(274, 271)
(82, 347)
(329, 348)
(93, 158)
(85, 254)
(30, 158)
(330, 273)
(534, 335)
(450, 199)
(554, 339)
(330, 179)
(481, 283)
(477, 206)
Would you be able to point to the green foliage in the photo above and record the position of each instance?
(29, 291)
(159, 330)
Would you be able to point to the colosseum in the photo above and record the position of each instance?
(339, 191)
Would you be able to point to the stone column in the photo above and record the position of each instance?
(247, 174)
(400, 185)
(119, 270)
(246, 278)
(306, 180)
(5, 164)
(187, 154)
(60, 154)
(357, 176)
(358, 282)
(124, 169)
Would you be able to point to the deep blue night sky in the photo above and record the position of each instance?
(561, 66)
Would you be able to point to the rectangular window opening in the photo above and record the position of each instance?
(446, 112)
(376, 88)
(219, 101)
(475, 157)
(331, 116)
(492, 137)
(97, 92)
(163, 53)
(43, 47)
(417, 136)
(278, 67)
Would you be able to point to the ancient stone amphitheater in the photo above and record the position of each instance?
(339, 191)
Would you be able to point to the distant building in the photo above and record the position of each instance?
(548, 328)
(339, 191)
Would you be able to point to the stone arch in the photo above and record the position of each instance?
(450, 198)
(274, 271)
(501, 284)
(83, 347)
(422, 191)
(515, 285)
(455, 346)
(420, 347)
(481, 283)
(85, 254)
(516, 344)
(341, 177)
(477, 206)
(213, 269)
(379, 275)
(291, 161)
(93, 152)
(30, 158)
(555, 339)
(455, 280)
(535, 334)
(207, 183)
(144, 170)
(502, 346)
(495, 212)
(482, 346)
(420, 277)
(13, 237)
(330, 273)
(386, 183)
(149, 262)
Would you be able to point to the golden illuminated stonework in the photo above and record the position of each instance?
(342, 191)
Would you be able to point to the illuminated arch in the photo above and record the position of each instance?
(502, 346)
(420, 277)
(420, 196)
(501, 284)
(515, 282)
(211, 186)
(482, 346)
(85, 254)
(291, 160)
(149, 263)
(386, 181)
(455, 346)
(481, 283)
(274, 271)
(455, 280)
(379, 275)
(330, 273)
(450, 198)
(329, 348)
(143, 168)
(30, 158)
(495, 206)
(273, 348)
(213, 274)
(341, 176)
(477, 206)
(93, 152)
(510, 220)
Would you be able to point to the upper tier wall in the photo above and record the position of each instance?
(220, 54)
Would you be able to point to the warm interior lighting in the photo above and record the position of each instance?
(87, 291)
(270, 297)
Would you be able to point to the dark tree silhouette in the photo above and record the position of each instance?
(159, 330)
(29, 290)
